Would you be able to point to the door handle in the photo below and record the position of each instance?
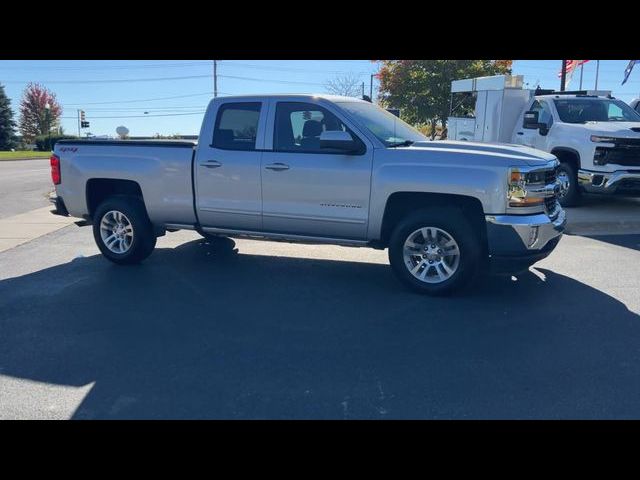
(211, 164)
(520, 133)
(277, 167)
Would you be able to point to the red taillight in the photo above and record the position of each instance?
(55, 170)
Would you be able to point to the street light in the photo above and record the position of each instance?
(47, 107)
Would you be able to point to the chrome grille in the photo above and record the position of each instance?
(551, 203)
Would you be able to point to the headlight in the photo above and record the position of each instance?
(517, 191)
(599, 139)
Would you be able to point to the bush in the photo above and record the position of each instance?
(42, 141)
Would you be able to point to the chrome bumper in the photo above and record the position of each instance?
(601, 182)
(523, 235)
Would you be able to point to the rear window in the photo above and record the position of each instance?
(237, 126)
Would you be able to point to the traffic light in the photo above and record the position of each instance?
(82, 116)
(84, 124)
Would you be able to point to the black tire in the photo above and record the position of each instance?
(453, 222)
(572, 196)
(144, 238)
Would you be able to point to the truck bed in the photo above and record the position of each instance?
(161, 169)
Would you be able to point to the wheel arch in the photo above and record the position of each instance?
(567, 155)
(401, 204)
(99, 189)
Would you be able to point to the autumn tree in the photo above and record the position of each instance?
(7, 125)
(421, 89)
(34, 118)
(347, 86)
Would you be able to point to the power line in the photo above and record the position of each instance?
(120, 109)
(136, 101)
(109, 67)
(129, 80)
(141, 116)
(290, 69)
(292, 82)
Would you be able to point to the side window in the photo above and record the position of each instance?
(236, 126)
(298, 127)
(544, 112)
(615, 111)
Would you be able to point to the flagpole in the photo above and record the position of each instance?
(597, 72)
(563, 75)
(581, 72)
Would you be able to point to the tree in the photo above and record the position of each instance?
(347, 86)
(422, 88)
(34, 118)
(7, 124)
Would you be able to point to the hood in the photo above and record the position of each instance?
(618, 129)
(512, 154)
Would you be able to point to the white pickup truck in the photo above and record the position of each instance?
(320, 169)
(595, 137)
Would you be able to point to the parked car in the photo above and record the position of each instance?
(595, 137)
(320, 169)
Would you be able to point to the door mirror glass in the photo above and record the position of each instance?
(338, 140)
(531, 120)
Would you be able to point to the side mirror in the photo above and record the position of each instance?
(531, 120)
(338, 140)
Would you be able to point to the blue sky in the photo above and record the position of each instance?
(175, 104)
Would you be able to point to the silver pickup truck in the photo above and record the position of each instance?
(320, 169)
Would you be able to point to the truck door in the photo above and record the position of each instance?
(307, 190)
(227, 168)
(535, 137)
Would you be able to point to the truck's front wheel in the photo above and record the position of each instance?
(569, 195)
(434, 251)
(123, 231)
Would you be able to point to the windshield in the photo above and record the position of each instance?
(387, 128)
(581, 110)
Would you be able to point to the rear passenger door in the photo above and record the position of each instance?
(228, 168)
(308, 190)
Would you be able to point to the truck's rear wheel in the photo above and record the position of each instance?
(123, 231)
(569, 195)
(434, 251)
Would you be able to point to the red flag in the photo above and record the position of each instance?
(572, 65)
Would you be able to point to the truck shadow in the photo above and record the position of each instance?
(203, 332)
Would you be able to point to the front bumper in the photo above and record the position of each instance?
(621, 182)
(517, 241)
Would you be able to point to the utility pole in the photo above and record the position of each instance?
(362, 89)
(563, 75)
(371, 87)
(597, 72)
(215, 78)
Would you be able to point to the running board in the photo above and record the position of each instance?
(284, 237)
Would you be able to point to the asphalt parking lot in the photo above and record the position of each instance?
(271, 330)
(250, 329)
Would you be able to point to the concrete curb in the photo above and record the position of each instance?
(28, 226)
(24, 159)
(603, 228)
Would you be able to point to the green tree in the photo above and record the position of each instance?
(421, 89)
(7, 125)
